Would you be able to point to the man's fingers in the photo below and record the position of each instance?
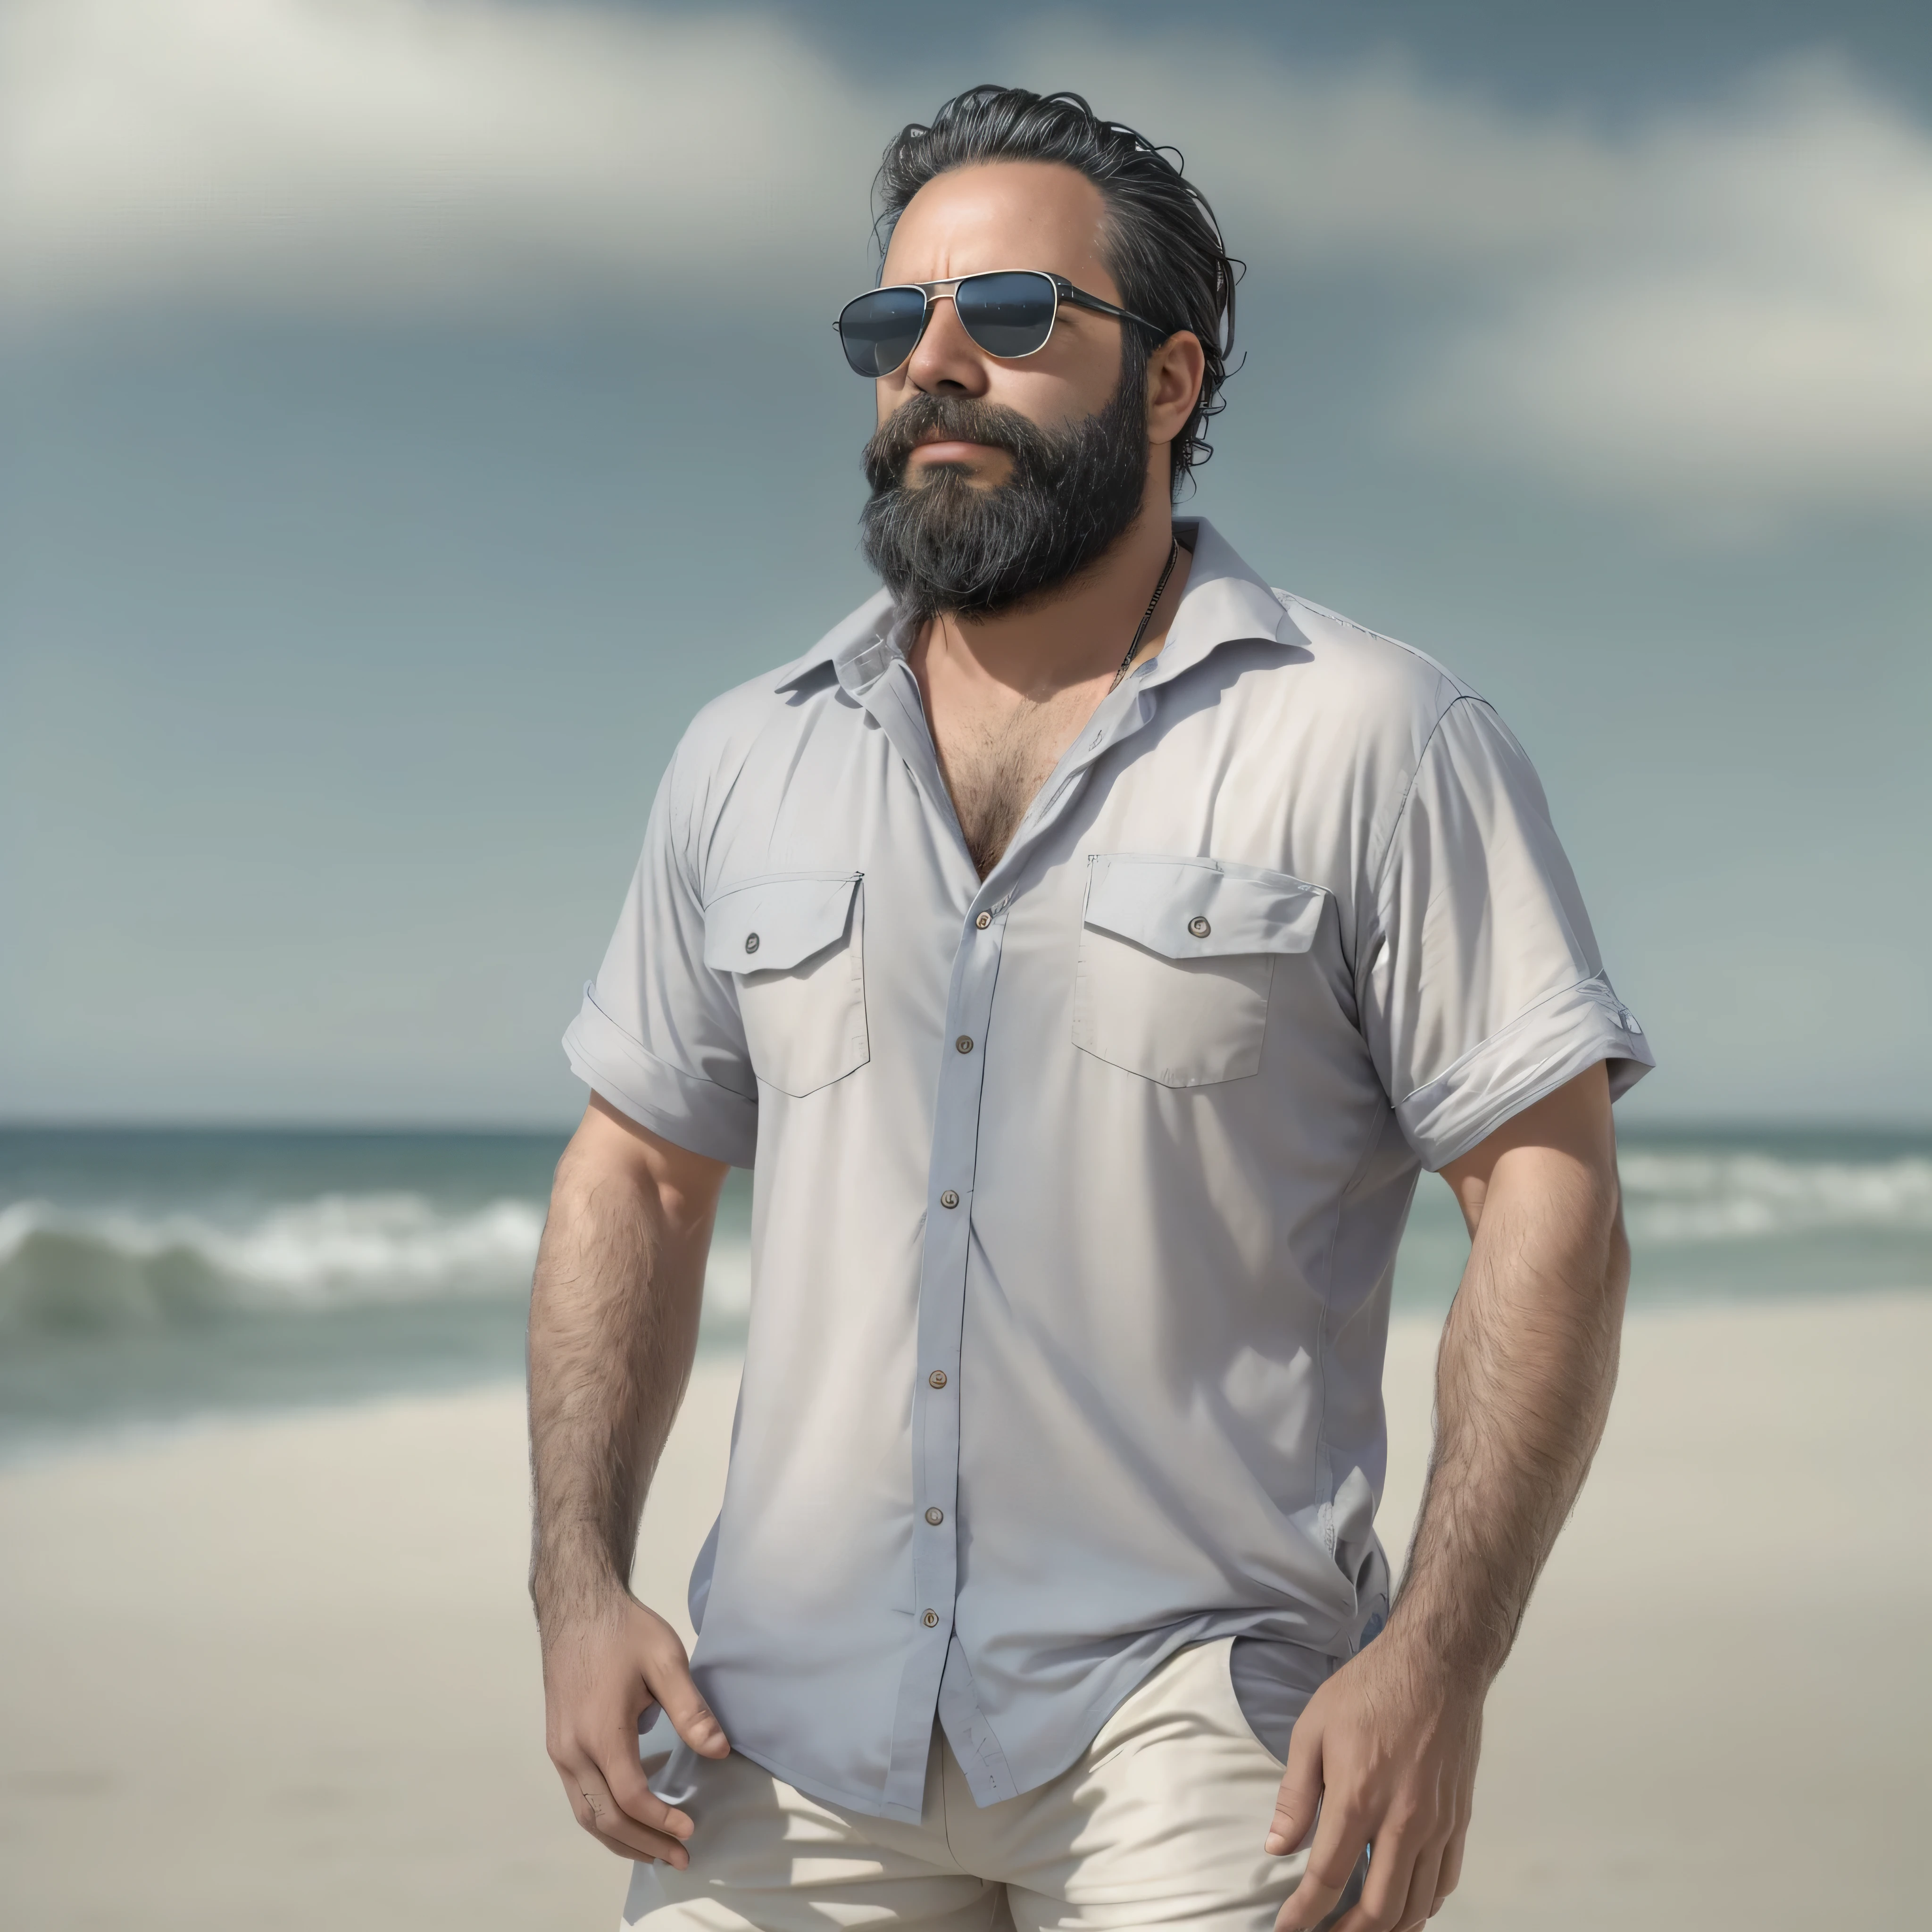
(620, 1850)
(1451, 1876)
(1339, 1840)
(1298, 1797)
(667, 1678)
(597, 1813)
(1424, 1889)
(639, 1846)
(630, 1790)
(1308, 1904)
(600, 1814)
(1385, 1894)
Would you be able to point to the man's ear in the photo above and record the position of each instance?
(1175, 372)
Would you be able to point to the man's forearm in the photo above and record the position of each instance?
(1523, 1383)
(613, 1328)
(1385, 1754)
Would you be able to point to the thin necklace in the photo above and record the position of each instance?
(1173, 555)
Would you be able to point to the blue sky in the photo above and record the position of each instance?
(410, 412)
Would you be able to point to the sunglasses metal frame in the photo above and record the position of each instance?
(947, 288)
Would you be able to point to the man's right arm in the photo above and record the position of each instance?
(613, 1328)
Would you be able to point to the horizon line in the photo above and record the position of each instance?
(1714, 1124)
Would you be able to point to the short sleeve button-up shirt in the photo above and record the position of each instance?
(1077, 1188)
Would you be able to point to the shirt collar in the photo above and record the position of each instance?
(866, 634)
(1224, 603)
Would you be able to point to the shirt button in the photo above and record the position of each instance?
(931, 1620)
(1199, 927)
(937, 1378)
(935, 1517)
(751, 942)
(964, 1042)
(984, 919)
(949, 1199)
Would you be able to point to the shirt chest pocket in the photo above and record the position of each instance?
(1177, 959)
(795, 946)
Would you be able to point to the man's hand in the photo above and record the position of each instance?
(1386, 1751)
(600, 1675)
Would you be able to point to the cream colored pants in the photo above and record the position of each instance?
(1158, 1823)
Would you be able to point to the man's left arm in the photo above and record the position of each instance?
(1386, 1748)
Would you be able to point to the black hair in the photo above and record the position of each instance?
(1161, 242)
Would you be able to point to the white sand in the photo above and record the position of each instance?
(280, 1673)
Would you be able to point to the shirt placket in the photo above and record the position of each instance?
(937, 1675)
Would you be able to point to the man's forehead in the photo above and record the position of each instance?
(1001, 214)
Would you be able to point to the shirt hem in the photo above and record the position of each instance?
(1211, 1628)
(827, 1793)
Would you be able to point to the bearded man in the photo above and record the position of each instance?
(1087, 947)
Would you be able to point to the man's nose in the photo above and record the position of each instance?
(947, 358)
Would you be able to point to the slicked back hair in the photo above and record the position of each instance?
(1161, 242)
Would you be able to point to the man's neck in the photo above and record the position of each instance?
(1005, 696)
(1072, 635)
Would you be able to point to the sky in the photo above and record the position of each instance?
(411, 411)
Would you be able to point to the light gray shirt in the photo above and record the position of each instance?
(1077, 1190)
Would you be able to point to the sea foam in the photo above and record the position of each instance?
(68, 1269)
(1699, 1197)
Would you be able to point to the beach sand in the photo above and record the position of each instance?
(280, 1673)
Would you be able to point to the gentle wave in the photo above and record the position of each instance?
(60, 1268)
(1684, 1197)
(74, 1270)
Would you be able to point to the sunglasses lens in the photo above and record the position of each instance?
(1006, 314)
(880, 330)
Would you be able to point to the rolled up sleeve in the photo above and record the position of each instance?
(1481, 987)
(658, 1035)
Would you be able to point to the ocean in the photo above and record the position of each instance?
(147, 1276)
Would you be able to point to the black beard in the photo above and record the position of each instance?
(948, 546)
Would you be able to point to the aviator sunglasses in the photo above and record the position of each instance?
(1008, 312)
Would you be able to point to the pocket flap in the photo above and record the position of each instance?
(1197, 908)
(772, 925)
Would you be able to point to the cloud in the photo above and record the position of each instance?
(1722, 310)
(410, 155)
(1746, 330)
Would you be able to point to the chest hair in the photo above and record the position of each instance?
(995, 767)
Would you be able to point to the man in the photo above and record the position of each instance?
(1086, 946)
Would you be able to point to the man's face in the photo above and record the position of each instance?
(995, 482)
(1003, 214)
